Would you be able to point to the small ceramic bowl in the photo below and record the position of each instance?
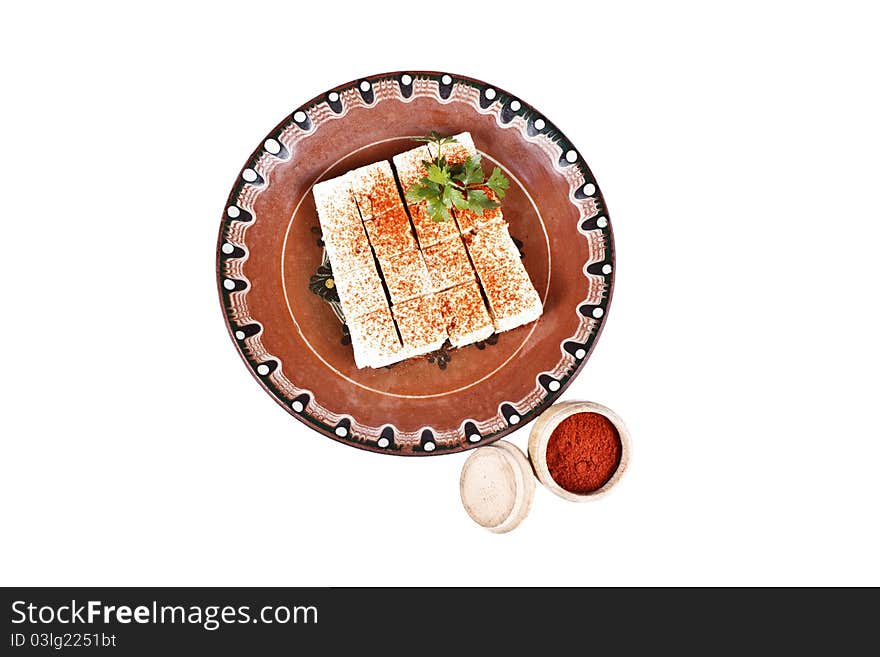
(540, 435)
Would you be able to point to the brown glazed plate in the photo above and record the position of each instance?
(278, 303)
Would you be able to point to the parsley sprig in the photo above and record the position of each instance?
(460, 186)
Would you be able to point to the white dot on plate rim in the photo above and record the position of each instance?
(383, 442)
(333, 96)
(406, 79)
(515, 105)
(229, 284)
(227, 248)
(580, 353)
(240, 335)
(554, 385)
(474, 437)
(249, 174)
(342, 432)
(514, 419)
(429, 447)
(490, 93)
(233, 211)
(272, 146)
(571, 156)
(297, 406)
(446, 79)
(589, 189)
(606, 269)
(262, 370)
(365, 86)
(299, 116)
(601, 222)
(598, 312)
(539, 124)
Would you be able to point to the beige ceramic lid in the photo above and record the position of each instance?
(497, 486)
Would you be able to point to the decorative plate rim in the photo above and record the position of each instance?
(506, 100)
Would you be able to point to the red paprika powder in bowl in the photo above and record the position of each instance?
(579, 450)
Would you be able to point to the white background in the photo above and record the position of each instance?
(738, 152)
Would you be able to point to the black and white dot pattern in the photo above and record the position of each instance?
(386, 438)
(334, 101)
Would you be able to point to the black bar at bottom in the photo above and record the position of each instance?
(245, 621)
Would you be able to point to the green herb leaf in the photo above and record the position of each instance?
(437, 209)
(421, 190)
(498, 183)
(459, 202)
(472, 173)
(431, 136)
(438, 174)
(435, 138)
(446, 196)
(478, 201)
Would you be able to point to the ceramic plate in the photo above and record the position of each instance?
(278, 300)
